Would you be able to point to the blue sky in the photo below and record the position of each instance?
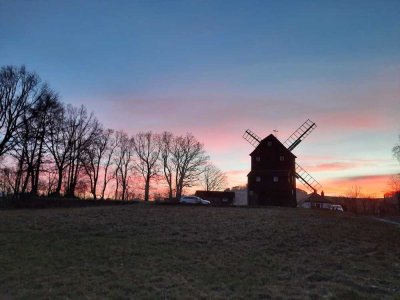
(216, 68)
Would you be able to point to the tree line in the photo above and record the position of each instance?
(48, 147)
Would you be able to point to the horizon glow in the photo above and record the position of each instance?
(218, 68)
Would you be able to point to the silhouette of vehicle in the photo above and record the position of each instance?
(193, 200)
(336, 207)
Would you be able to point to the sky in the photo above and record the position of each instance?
(217, 68)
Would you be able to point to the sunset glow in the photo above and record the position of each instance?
(217, 68)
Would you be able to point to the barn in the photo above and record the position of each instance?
(217, 198)
(272, 179)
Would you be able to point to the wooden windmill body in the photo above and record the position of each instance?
(272, 179)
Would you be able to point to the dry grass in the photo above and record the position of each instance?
(150, 251)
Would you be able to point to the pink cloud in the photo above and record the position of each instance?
(333, 166)
(351, 120)
(236, 177)
(219, 119)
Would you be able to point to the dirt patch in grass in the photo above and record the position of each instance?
(151, 251)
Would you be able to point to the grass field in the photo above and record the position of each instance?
(155, 251)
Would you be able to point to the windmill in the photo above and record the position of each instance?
(272, 163)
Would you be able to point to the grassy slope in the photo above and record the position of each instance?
(149, 251)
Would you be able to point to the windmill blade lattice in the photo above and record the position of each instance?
(306, 179)
(300, 134)
(251, 137)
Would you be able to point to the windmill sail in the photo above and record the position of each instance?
(307, 179)
(300, 134)
(251, 137)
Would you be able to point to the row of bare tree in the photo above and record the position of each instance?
(49, 148)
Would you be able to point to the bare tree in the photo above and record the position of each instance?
(124, 163)
(394, 180)
(29, 149)
(147, 149)
(166, 145)
(82, 128)
(82, 186)
(20, 152)
(46, 107)
(59, 145)
(50, 182)
(93, 157)
(353, 193)
(189, 158)
(91, 163)
(394, 183)
(213, 179)
(7, 180)
(118, 153)
(51, 144)
(183, 159)
(18, 89)
(396, 151)
(111, 144)
(71, 131)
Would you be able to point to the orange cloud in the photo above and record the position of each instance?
(370, 185)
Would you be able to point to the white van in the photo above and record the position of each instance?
(336, 207)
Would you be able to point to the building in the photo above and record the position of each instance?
(272, 179)
(391, 202)
(317, 201)
(240, 198)
(217, 198)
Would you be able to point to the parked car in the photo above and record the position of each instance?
(193, 200)
(336, 207)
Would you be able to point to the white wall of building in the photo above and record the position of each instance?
(240, 198)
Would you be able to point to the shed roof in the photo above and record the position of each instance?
(216, 194)
(314, 197)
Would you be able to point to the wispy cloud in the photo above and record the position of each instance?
(332, 166)
(355, 121)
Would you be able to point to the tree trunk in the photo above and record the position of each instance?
(18, 176)
(104, 185)
(147, 188)
(59, 182)
(116, 190)
(26, 180)
(94, 193)
(36, 173)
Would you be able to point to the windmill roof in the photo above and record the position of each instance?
(272, 138)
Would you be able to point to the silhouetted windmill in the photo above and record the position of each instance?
(271, 180)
